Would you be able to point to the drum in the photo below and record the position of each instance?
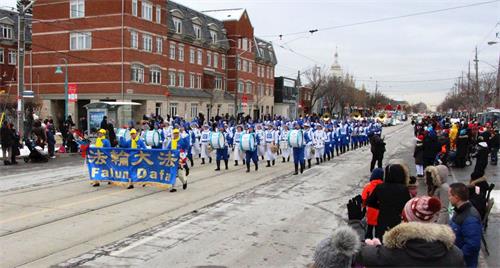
(152, 138)
(284, 145)
(217, 140)
(123, 132)
(247, 142)
(296, 138)
(274, 148)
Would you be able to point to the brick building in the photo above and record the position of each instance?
(170, 58)
(8, 53)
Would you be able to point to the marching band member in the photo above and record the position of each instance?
(262, 146)
(135, 141)
(186, 135)
(270, 143)
(195, 139)
(285, 149)
(101, 142)
(252, 155)
(167, 130)
(222, 153)
(237, 153)
(354, 136)
(298, 153)
(181, 144)
(308, 138)
(336, 138)
(205, 138)
(319, 138)
(344, 141)
(328, 143)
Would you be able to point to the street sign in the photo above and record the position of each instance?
(72, 96)
(28, 94)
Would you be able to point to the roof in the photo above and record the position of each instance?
(10, 17)
(265, 51)
(207, 23)
(226, 14)
(188, 92)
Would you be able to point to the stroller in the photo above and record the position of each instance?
(37, 154)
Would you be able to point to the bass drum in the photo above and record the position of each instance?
(152, 138)
(123, 132)
(247, 142)
(217, 140)
(296, 138)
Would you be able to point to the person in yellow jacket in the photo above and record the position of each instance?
(181, 144)
(101, 142)
(453, 136)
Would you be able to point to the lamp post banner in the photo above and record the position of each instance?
(72, 92)
(123, 166)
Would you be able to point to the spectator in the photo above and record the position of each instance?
(371, 213)
(481, 155)
(477, 179)
(435, 178)
(466, 224)
(431, 148)
(418, 154)
(494, 145)
(413, 186)
(390, 197)
(377, 149)
(462, 148)
(6, 142)
(337, 250)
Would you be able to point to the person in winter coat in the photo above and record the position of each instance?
(51, 141)
(436, 177)
(481, 156)
(390, 197)
(466, 224)
(462, 149)
(478, 179)
(337, 250)
(494, 144)
(431, 148)
(417, 242)
(6, 142)
(377, 149)
(371, 213)
(418, 154)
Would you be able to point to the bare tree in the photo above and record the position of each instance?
(316, 82)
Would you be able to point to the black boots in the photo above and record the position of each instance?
(187, 170)
(248, 167)
(308, 163)
(235, 163)
(268, 163)
(302, 167)
(274, 162)
(256, 166)
(317, 161)
(218, 165)
(283, 160)
(288, 159)
(226, 163)
(210, 160)
(203, 161)
(296, 169)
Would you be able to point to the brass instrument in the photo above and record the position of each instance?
(382, 117)
(356, 116)
(274, 148)
(209, 149)
(326, 117)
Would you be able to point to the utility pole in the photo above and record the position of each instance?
(20, 67)
(481, 96)
(236, 88)
(498, 85)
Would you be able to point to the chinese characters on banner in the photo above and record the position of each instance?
(72, 96)
(133, 165)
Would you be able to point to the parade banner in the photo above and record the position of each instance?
(147, 166)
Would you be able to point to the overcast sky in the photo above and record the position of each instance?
(427, 47)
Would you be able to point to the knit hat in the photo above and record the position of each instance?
(377, 174)
(422, 209)
(337, 250)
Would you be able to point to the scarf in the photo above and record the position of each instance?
(173, 144)
(133, 143)
(99, 143)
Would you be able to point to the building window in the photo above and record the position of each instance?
(249, 88)
(171, 78)
(12, 57)
(158, 14)
(172, 51)
(173, 109)
(181, 79)
(238, 64)
(241, 87)
(223, 63)
(250, 67)
(261, 90)
(134, 8)
(147, 11)
(197, 31)
(218, 82)
(137, 73)
(159, 45)
(216, 60)
(213, 34)
(1, 55)
(200, 57)
(7, 32)
(192, 81)
(245, 44)
(230, 108)
(178, 25)
(194, 110)
(192, 55)
(181, 52)
(80, 41)
(147, 42)
(77, 8)
(198, 81)
(134, 39)
(155, 75)
(209, 59)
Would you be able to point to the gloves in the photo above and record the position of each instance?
(354, 208)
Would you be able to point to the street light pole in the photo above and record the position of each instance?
(497, 104)
(59, 71)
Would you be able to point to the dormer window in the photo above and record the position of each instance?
(197, 31)
(213, 34)
(7, 32)
(177, 25)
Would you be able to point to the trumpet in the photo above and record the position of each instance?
(210, 148)
(381, 117)
(356, 116)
